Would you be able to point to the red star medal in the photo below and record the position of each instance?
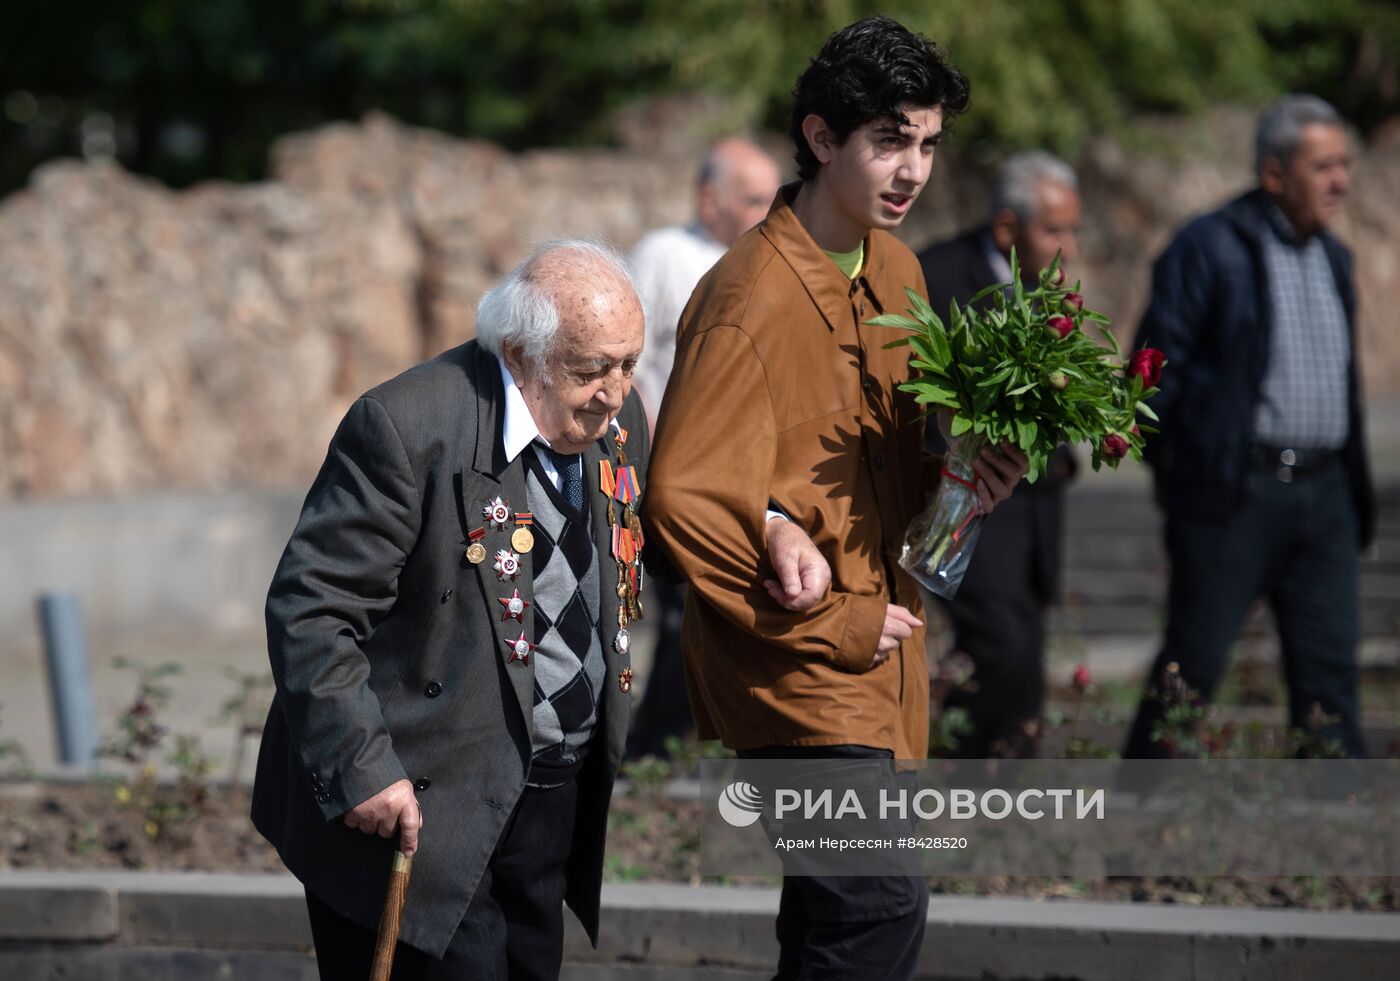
(515, 607)
(520, 648)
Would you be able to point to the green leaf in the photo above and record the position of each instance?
(1146, 410)
(895, 320)
(961, 424)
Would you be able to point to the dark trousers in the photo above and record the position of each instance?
(665, 708)
(514, 926)
(861, 928)
(1295, 544)
(998, 619)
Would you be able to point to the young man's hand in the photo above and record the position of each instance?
(803, 574)
(899, 625)
(998, 470)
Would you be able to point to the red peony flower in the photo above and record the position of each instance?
(1058, 379)
(1060, 326)
(1147, 365)
(1082, 680)
(1115, 446)
(1073, 302)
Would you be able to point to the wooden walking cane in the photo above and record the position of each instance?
(394, 898)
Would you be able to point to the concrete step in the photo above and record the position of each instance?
(176, 926)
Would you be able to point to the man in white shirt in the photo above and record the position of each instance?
(734, 190)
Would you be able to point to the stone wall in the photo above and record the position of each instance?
(211, 338)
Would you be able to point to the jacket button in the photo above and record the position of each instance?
(318, 787)
(447, 596)
(879, 461)
(323, 798)
(868, 384)
(312, 780)
(422, 783)
(433, 690)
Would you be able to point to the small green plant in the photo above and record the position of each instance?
(244, 710)
(136, 742)
(15, 760)
(949, 724)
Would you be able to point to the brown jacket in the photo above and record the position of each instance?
(780, 393)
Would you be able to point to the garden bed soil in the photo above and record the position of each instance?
(87, 826)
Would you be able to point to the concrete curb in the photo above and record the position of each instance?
(116, 925)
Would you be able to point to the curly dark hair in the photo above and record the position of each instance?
(866, 71)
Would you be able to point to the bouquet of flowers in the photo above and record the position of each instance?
(1021, 370)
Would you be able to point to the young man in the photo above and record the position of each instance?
(787, 466)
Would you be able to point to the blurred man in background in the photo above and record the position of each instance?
(1261, 462)
(999, 612)
(735, 188)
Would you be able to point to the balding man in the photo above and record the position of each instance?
(448, 634)
(736, 187)
(999, 612)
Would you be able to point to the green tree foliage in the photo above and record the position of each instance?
(187, 89)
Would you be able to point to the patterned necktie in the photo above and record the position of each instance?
(570, 467)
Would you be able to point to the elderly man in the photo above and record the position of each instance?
(1261, 463)
(736, 185)
(448, 633)
(788, 465)
(999, 612)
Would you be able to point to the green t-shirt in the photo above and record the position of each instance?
(851, 262)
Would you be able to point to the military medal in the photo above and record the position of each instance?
(519, 648)
(497, 512)
(620, 485)
(476, 552)
(522, 539)
(507, 564)
(515, 607)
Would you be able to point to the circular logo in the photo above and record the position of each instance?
(740, 804)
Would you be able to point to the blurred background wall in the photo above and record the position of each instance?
(227, 218)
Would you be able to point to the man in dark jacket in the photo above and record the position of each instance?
(999, 611)
(1261, 462)
(447, 630)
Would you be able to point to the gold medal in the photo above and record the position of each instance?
(522, 540)
(476, 553)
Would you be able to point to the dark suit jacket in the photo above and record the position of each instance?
(1209, 313)
(388, 651)
(958, 270)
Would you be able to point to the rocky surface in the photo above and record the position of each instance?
(213, 337)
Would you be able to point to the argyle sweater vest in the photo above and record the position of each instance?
(569, 666)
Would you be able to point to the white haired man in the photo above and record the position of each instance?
(1261, 461)
(734, 190)
(999, 612)
(448, 633)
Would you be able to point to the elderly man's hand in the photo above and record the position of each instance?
(393, 809)
(803, 575)
(998, 470)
